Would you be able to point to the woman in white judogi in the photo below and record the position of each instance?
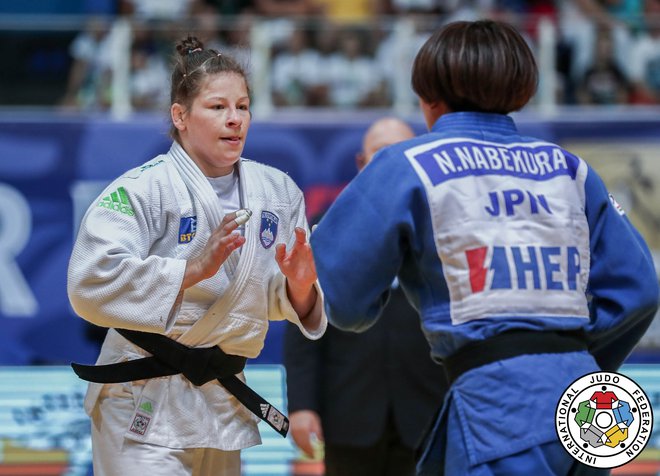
(164, 250)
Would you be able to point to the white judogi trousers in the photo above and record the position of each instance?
(116, 455)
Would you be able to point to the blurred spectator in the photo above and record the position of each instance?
(351, 11)
(89, 76)
(526, 15)
(581, 19)
(603, 83)
(326, 43)
(396, 51)
(280, 16)
(231, 7)
(448, 10)
(296, 70)
(157, 9)
(150, 79)
(238, 39)
(226, 34)
(645, 58)
(280, 8)
(355, 78)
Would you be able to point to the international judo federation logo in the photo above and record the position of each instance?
(268, 230)
(604, 419)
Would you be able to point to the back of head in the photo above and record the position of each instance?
(483, 66)
(192, 66)
(383, 132)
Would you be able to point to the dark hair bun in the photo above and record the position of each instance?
(189, 46)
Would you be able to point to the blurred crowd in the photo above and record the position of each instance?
(358, 53)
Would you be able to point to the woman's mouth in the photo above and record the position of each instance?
(233, 140)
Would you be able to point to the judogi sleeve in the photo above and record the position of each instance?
(113, 278)
(623, 284)
(360, 241)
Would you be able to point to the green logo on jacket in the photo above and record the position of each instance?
(118, 201)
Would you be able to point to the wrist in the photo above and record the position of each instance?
(299, 290)
(192, 274)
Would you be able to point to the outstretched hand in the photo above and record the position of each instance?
(297, 264)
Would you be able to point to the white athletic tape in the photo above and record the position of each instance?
(242, 216)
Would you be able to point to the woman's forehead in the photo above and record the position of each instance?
(224, 83)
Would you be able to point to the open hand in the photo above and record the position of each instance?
(297, 264)
(222, 242)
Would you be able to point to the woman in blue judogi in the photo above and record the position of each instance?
(526, 272)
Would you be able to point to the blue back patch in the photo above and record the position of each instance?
(187, 229)
(268, 230)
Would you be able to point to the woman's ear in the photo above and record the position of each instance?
(433, 111)
(178, 114)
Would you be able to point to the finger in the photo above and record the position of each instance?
(227, 244)
(304, 442)
(235, 240)
(228, 225)
(301, 236)
(318, 430)
(227, 218)
(237, 218)
(242, 216)
(280, 252)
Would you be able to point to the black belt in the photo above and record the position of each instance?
(199, 365)
(511, 344)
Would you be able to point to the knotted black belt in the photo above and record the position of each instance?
(511, 344)
(199, 365)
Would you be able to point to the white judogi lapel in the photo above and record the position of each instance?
(238, 265)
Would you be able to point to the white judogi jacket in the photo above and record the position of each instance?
(126, 271)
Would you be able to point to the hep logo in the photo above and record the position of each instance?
(523, 267)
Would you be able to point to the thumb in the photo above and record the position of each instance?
(303, 439)
(317, 429)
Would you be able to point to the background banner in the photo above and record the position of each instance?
(51, 170)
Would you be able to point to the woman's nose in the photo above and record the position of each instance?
(233, 117)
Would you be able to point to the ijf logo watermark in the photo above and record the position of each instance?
(604, 419)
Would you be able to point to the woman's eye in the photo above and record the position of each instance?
(218, 107)
(243, 108)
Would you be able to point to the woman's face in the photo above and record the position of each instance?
(214, 129)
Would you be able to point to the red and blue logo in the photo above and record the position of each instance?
(523, 267)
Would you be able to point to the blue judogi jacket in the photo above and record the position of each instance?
(490, 231)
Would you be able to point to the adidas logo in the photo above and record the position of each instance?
(118, 201)
(147, 407)
(264, 409)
